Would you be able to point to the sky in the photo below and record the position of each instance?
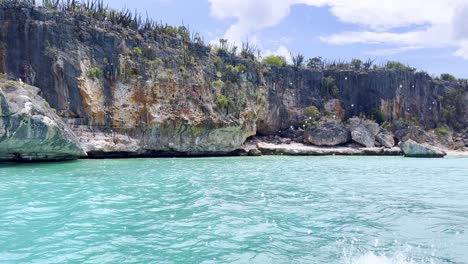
(430, 35)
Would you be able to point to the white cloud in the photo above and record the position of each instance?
(253, 15)
(403, 24)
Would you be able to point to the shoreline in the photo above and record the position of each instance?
(262, 148)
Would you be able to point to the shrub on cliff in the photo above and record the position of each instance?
(332, 88)
(395, 65)
(297, 59)
(442, 131)
(222, 101)
(274, 60)
(95, 73)
(313, 113)
(378, 116)
(236, 69)
(315, 63)
(356, 64)
(448, 77)
(138, 50)
(453, 105)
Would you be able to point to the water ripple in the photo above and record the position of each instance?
(236, 210)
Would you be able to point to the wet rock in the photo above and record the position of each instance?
(30, 130)
(385, 138)
(254, 153)
(328, 133)
(411, 148)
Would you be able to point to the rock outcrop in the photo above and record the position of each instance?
(411, 148)
(30, 130)
(360, 132)
(361, 135)
(385, 138)
(328, 133)
(134, 93)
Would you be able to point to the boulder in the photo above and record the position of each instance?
(30, 130)
(360, 134)
(372, 126)
(385, 138)
(404, 131)
(354, 122)
(411, 148)
(328, 133)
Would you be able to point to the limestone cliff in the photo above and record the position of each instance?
(128, 92)
(30, 130)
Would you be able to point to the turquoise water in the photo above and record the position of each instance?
(236, 210)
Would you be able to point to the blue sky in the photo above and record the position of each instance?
(430, 35)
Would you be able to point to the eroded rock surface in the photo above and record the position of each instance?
(30, 130)
(385, 138)
(130, 93)
(411, 148)
(328, 133)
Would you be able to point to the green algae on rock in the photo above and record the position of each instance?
(30, 130)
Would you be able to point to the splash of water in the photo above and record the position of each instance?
(371, 258)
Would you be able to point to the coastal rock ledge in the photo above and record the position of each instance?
(30, 130)
(411, 148)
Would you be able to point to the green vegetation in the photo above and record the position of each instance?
(387, 126)
(10, 83)
(183, 71)
(356, 64)
(95, 73)
(138, 50)
(222, 101)
(3, 75)
(273, 60)
(315, 63)
(378, 116)
(448, 77)
(236, 69)
(156, 62)
(248, 51)
(297, 59)
(46, 105)
(218, 61)
(453, 106)
(442, 131)
(332, 88)
(250, 115)
(218, 84)
(313, 113)
(395, 65)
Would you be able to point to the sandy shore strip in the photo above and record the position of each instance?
(456, 153)
(297, 149)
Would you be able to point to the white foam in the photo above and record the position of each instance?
(371, 258)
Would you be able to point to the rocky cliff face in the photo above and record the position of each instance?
(126, 94)
(30, 130)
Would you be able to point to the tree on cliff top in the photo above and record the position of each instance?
(448, 77)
